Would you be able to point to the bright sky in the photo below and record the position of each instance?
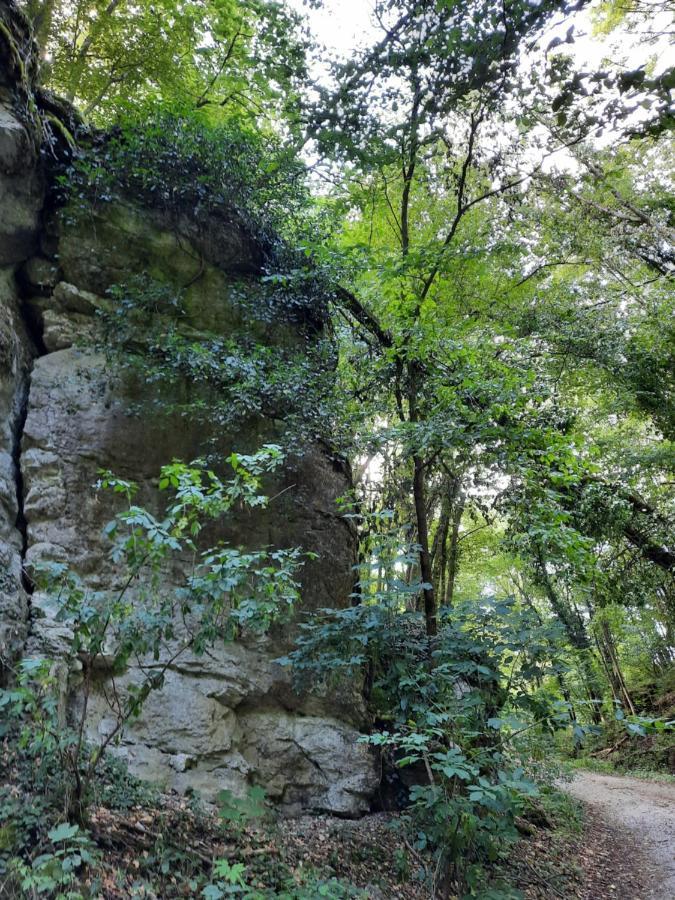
(343, 25)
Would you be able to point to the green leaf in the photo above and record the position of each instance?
(212, 892)
(63, 832)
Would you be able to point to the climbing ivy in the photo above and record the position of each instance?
(254, 372)
(175, 164)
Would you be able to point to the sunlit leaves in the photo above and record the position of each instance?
(222, 59)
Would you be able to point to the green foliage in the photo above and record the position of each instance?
(230, 879)
(223, 381)
(146, 616)
(266, 353)
(428, 59)
(510, 341)
(223, 58)
(329, 888)
(116, 788)
(33, 786)
(504, 385)
(175, 164)
(57, 871)
(239, 811)
(437, 702)
(565, 812)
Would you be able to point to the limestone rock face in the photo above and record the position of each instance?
(227, 719)
(231, 718)
(21, 199)
(21, 181)
(15, 360)
(21, 190)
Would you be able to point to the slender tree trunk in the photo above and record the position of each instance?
(412, 368)
(577, 636)
(567, 696)
(421, 513)
(419, 492)
(439, 548)
(607, 666)
(616, 677)
(453, 555)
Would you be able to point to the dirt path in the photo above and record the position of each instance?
(643, 809)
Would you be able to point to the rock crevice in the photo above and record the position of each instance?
(20, 522)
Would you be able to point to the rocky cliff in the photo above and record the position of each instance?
(223, 720)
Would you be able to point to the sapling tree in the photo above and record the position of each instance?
(450, 724)
(173, 596)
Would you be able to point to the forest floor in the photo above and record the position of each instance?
(642, 812)
(619, 850)
(599, 860)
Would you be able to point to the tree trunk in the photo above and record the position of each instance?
(617, 681)
(439, 548)
(419, 495)
(576, 634)
(453, 556)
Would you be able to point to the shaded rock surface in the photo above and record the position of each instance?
(21, 200)
(15, 359)
(229, 719)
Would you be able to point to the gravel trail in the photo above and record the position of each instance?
(645, 809)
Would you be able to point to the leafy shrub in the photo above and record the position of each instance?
(451, 713)
(231, 174)
(229, 177)
(226, 590)
(229, 879)
(239, 811)
(116, 788)
(176, 163)
(55, 872)
(32, 787)
(564, 810)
